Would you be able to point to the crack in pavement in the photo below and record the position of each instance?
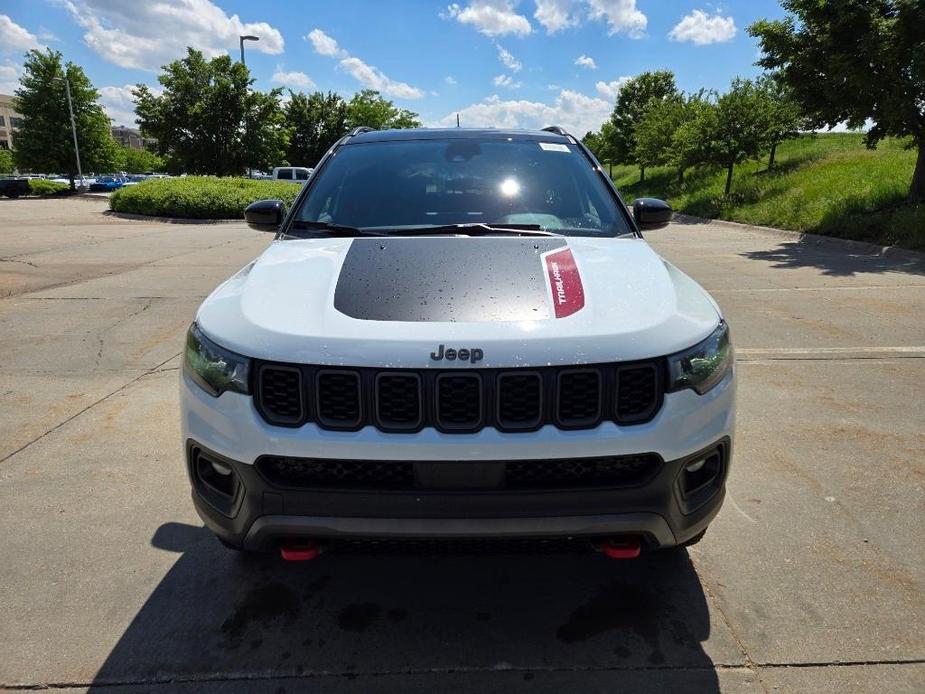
(461, 670)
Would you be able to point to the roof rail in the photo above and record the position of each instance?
(557, 129)
(359, 130)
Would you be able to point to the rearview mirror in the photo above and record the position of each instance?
(651, 213)
(265, 215)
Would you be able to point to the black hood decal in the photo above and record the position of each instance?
(446, 279)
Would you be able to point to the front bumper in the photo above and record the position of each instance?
(261, 513)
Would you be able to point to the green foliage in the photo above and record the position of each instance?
(653, 133)
(826, 184)
(209, 120)
(634, 99)
(863, 60)
(40, 186)
(138, 161)
(6, 161)
(199, 197)
(784, 117)
(368, 107)
(44, 141)
(315, 121)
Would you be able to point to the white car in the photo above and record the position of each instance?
(294, 174)
(458, 334)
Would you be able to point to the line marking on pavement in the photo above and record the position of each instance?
(785, 353)
(739, 508)
(738, 290)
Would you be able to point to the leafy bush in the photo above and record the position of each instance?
(39, 186)
(199, 197)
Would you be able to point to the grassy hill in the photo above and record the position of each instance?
(825, 184)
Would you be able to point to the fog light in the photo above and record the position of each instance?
(694, 466)
(225, 471)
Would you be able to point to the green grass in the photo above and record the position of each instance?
(825, 184)
(199, 197)
(39, 186)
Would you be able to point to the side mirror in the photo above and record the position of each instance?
(265, 215)
(651, 213)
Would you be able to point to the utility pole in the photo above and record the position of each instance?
(242, 39)
(70, 110)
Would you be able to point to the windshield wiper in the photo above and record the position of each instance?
(334, 229)
(478, 229)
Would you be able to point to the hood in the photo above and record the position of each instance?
(407, 302)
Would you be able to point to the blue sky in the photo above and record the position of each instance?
(507, 63)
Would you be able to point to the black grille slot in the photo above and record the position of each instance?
(637, 392)
(520, 400)
(339, 399)
(345, 474)
(398, 400)
(579, 398)
(459, 401)
(610, 471)
(280, 394)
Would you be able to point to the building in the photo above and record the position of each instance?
(9, 121)
(129, 137)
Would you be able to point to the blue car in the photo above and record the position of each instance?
(105, 184)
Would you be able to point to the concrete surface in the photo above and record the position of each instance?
(810, 579)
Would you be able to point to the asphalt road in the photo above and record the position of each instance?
(810, 579)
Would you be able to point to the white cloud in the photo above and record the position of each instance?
(506, 81)
(556, 15)
(621, 15)
(147, 35)
(449, 79)
(371, 77)
(9, 77)
(490, 17)
(508, 60)
(119, 104)
(576, 112)
(292, 79)
(610, 90)
(586, 61)
(364, 73)
(701, 29)
(16, 39)
(323, 44)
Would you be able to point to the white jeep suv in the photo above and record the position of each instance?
(458, 334)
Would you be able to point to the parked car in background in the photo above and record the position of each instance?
(105, 184)
(13, 187)
(291, 173)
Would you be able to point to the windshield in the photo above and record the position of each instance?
(415, 184)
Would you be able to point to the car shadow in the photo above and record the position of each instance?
(220, 615)
(840, 258)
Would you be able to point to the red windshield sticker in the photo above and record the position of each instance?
(568, 295)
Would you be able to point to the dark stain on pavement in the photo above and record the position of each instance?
(397, 614)
(263, 604)
(358, 617)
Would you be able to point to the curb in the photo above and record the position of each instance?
(170, 220)
(813, 239)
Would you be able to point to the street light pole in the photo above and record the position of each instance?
(70, 110)
(242, 39)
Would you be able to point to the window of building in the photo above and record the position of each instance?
(2, 120)
(15, 122)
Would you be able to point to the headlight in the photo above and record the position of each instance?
(704, 365)
(214, 368)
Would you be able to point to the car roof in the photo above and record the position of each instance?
(456, 134)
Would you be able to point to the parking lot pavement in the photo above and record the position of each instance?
(810, 579)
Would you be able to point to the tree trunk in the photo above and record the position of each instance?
(917, 189)
(680, 176)
(642, 174)
(729, 179)
(771, 158)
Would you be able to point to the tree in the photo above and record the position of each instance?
(633, 99)
(689, 147)
(854, 60)
(6, 161)
(736, 128)
(208, 120)
(315, 121)
(368, 107)
(44, 141)
(599, 144)
(138, 160)
(784, 117)
(655, 130)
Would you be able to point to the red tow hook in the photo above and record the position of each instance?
(299, 550)
(622, 548)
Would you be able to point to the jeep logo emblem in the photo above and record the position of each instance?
(471, 355)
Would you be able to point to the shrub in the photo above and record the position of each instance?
(40, 186)
(199, 197)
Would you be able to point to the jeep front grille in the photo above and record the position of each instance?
(461, 400)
